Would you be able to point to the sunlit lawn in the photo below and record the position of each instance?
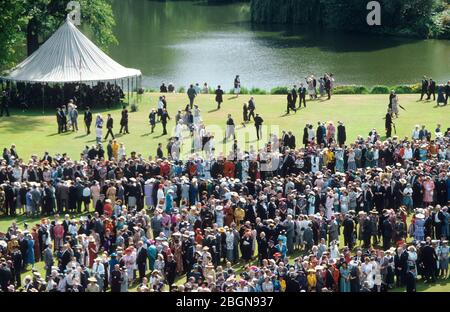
(34, 133)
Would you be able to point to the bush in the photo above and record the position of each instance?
(380, 90)
(407, 89)
(257, 91)
(181, 90)
(244, 90)
(279, 90)
(350, 90)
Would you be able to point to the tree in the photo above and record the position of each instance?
(46, 15)
(12, 21)
(34, 21)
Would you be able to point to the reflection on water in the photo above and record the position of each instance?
(184, 42)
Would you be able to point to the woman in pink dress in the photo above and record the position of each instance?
(428, 190)
(330, 132)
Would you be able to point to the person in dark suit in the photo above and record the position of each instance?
(387, 232)
(251, 108)
(59, 119)
(164, 117)
(17, 260)
(401, 265)
(159, 152)
(424, 89)
(388, 124)
(290, 103)
(328, 86)
(116, 279)
(124, 121)
(5, 103)
(294, 95)
(341, 134)
(258, 123)
(305, 135)
(170, 269)
(447, 92)
(141, 259)
(219, 96)
(191, 93)
(88, 120)
(291, 140)
(109, 150)
(152, 119)
(302, 94)
(431, 89)
(109, 126)
(410, 280)
(428, 259)
(349, 226)
(66, 256)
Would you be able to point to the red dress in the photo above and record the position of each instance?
(92, 248)
(228, 169)
(229, 216)
(37, 251)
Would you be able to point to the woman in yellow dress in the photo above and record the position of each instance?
(239, 215)
(115, 149)
(312, 280)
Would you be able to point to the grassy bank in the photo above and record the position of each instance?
(339, 89)
(34, 133)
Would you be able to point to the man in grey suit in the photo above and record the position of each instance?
(62, 197)
(48, 259)
(36, 197)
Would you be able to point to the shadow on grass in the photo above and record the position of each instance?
(20, 124)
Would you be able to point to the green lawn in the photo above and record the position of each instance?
(34, 133)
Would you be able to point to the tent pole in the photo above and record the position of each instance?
(43, 100)
(128, 90)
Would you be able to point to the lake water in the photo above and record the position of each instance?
(184, 42)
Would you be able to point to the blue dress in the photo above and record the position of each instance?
(152, 253)
(344, 281)
(419, 229)
(30, 252)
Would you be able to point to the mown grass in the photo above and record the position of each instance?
(34, 132)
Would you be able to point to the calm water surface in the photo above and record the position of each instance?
(184, 42)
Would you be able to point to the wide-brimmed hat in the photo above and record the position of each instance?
(92, 279)
(420, 216)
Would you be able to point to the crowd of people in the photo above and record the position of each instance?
(329, 216)
(25, 96)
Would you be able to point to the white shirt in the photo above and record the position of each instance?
(98, 268)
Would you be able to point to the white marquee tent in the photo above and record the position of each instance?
(69, 56)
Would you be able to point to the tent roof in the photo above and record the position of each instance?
(69, 56)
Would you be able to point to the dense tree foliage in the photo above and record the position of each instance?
(33, 21)
(424, 18)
